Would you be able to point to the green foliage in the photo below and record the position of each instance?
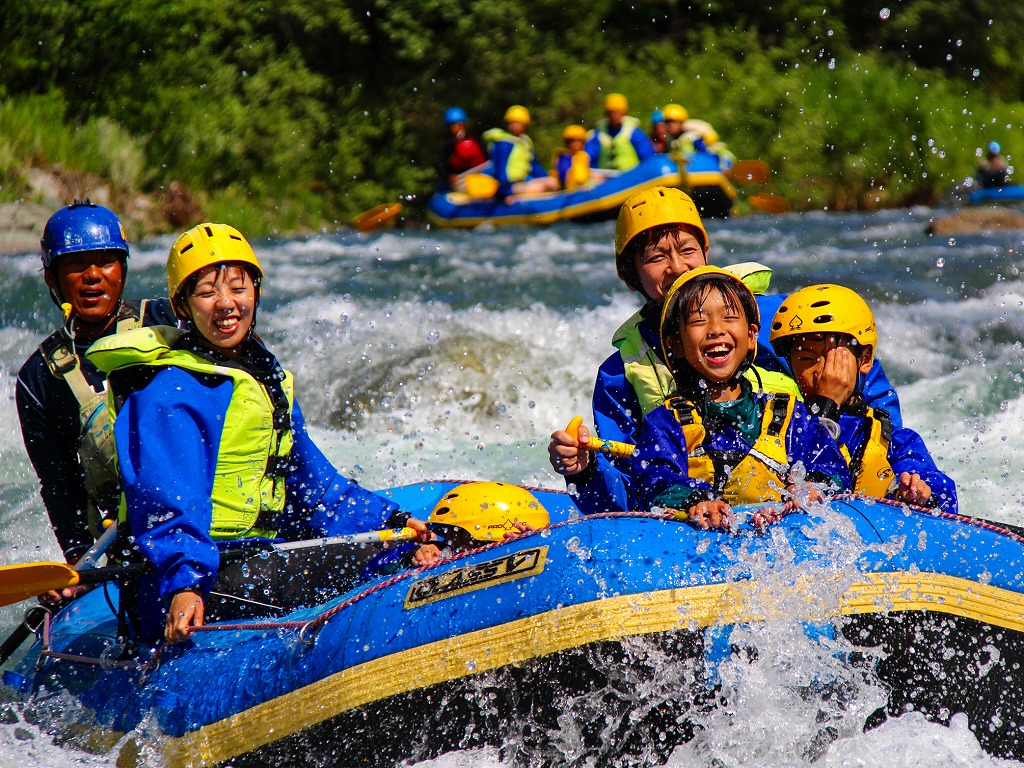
(301, 114)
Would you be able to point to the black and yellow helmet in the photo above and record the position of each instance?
(479, 513)
(824, 308)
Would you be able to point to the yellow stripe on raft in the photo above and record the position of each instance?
(614, 618)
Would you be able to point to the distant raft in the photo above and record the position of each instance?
(1010, 193)
(707, 182)
(591, 203)
(496, 643)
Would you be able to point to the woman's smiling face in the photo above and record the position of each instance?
(223, 304)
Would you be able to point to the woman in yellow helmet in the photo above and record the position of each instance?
(211, 442)
(513, 158)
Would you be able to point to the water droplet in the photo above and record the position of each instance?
(884, 14)
(940, 262)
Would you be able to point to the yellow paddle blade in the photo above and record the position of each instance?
(376, 217)
(750, 171)
(767, 202)
(21, 582)
(481, 186)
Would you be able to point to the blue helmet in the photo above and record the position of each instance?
(454, 115)
(657, 116)
(993, 148)
(82, 226)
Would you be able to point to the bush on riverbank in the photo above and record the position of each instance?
(299, 115)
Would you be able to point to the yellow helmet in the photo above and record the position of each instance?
(478, 513)
(577, 132)
(675, 112)
(616, 102)
(647, 209)
(517, 114)
(711, 137)
(823, 309)
(202, 246)
(670, 313)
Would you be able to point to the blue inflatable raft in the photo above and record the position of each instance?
(464, 653)
(592, 203)
(1011, 193)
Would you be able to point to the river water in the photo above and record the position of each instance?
(427, 354)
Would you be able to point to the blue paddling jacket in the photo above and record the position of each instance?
(603, 486)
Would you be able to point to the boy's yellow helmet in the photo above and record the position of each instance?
(647, 209)
(202, 246)
(577, 132)
(675, 112)
(517, 114)
(485, 511)
(692, 275)
(616, 102)
(823, 308)
(747, 299)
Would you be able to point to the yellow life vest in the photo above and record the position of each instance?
(96, 451)
(248, 491)
(520, 159)
(652, 380)
(758, 476)
(618, 152)
(870, 469)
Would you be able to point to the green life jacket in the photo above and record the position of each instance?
(618, 152)
(653, 381)
(520, 159)
(96, 451)
(248, 488)
(757, 476)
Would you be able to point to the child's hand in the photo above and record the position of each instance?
(838, 377)
(800, 496)
(428, 554)
(762, 518)
(913, 490)
(569, 456)
(711, 515)
(423, 534)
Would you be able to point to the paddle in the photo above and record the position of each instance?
(21, 582)
(367, 221)
(767, 202)
(750, 171)
(596, 445)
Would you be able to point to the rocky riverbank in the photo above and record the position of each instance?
(144, 215)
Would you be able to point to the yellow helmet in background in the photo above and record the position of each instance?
(577, 132)
(202, 246)
(616, 102)
(479, 513)
(711, 137)
(517, 114)
(823, 308)
(675, 112)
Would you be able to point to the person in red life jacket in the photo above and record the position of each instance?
(60, 395)
(211, 443)
(462, 152)
(513, 159)
(617, 142)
